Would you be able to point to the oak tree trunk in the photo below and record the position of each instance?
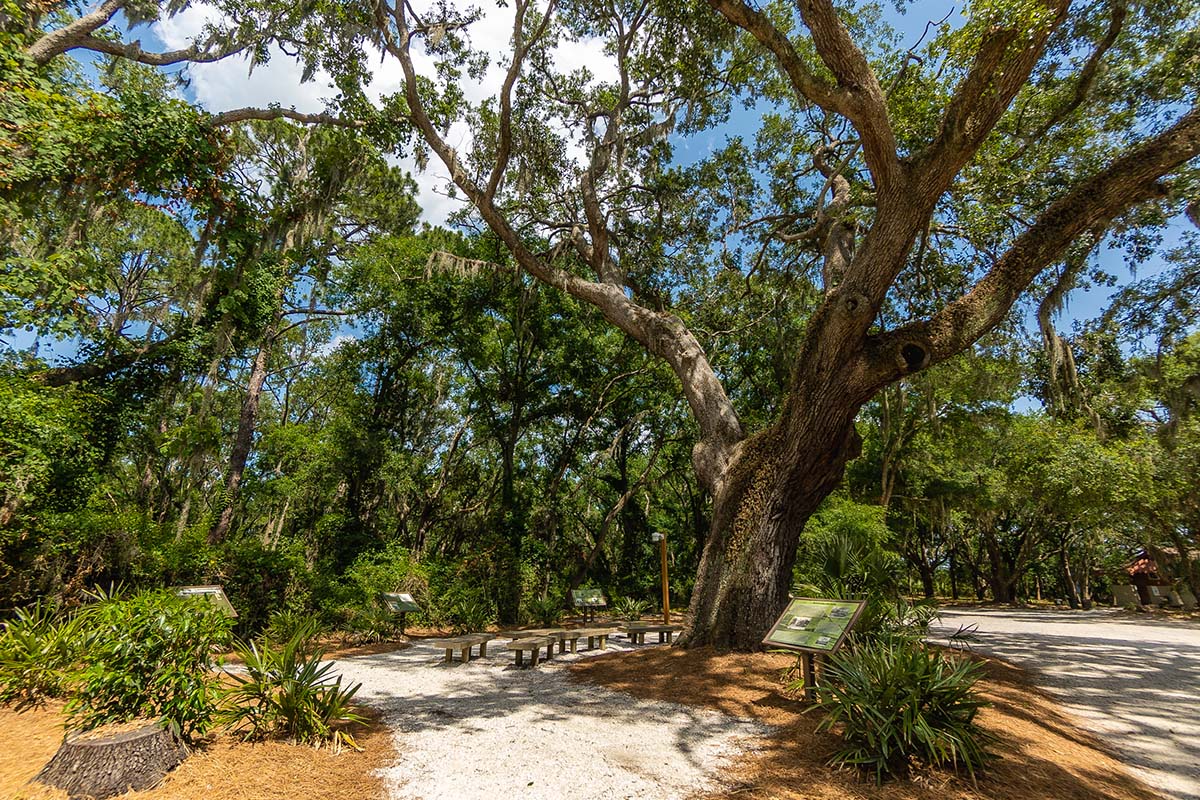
(777, 481)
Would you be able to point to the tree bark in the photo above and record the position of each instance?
(243, 440)
(89, 766)
(776, 481)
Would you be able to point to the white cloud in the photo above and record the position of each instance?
(228, 84)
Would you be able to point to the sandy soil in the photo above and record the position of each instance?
(220, 768)
(488, 728)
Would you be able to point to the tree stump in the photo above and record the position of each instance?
(97, 765)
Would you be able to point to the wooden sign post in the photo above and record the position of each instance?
(661, 538)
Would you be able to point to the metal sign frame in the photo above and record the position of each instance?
(812, 622)
(399, 602)
(215, 594)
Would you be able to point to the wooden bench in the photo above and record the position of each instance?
(532, 645)
(464, 644)
(637, 633)
(593, 635)
(532, 632)
(566, 636)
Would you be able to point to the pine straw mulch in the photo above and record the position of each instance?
(219, 767)
(1042, 755)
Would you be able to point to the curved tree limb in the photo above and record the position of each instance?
(662, 334)
(70, 35)
(244, 114)
(133, 51)
(857, 95)
(1129, 180)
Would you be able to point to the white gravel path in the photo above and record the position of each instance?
(486, 728)
(1131, 679)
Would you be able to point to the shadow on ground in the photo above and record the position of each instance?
(1134, 684)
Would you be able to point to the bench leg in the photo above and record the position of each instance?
(550, 651)
(482, 649)
(591, 642)
(661, 637)
(520, 657)
(670, 635)
(449, 655)
(574, 643)
(604, 642)
(534, 657)
(466, 654)
(562, 645)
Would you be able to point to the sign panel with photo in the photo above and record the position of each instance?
(588, 598)
(399, 602)
(814, 625)
(214, 594)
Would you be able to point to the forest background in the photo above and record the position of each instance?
(254, 351)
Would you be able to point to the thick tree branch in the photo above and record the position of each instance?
(1002, 65)
(662, 334)
(806, 83)
(244, 114)
(868, 106)
(70, 35)
(857, 95)
(1093, 204)
(133, 51)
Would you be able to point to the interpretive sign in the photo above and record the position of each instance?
(214, 594)
(399, 602)
(588, 598)
(814, 625)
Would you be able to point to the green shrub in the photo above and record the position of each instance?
(469, 615)
(260, 579)
(150, 655)
(545, 611)
(289, 693)
(630, 608)
(900, 702)
(371, 624)
(38, 650)
(287, 624)
(389, 570)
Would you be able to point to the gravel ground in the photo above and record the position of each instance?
(487, 728)
(1133, 680)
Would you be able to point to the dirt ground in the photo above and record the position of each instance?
(219, 768)
(1041, 753)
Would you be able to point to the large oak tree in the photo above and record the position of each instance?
(909, 196)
